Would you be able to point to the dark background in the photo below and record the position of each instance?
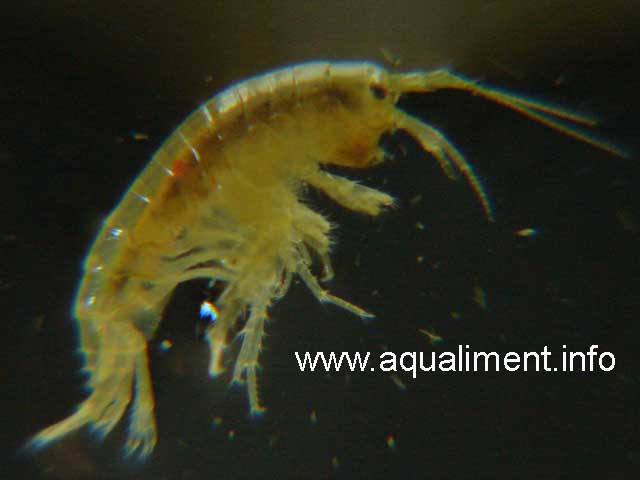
(81, 80)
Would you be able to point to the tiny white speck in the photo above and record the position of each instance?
(116, 232)
(193, 150)
(91, 300)
(169, 172)
(207, 114)
(184, 139)
(144, 198)
(195, 154)
(99, 268)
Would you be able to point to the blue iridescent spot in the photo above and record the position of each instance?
(208, 310)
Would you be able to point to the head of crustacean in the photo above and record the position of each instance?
(367, 111)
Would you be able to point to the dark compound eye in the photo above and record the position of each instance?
(379, 92)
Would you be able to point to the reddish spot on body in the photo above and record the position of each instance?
(180, 167)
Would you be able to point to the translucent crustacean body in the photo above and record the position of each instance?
(221, 200)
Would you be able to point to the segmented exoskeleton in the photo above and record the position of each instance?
(221, 200)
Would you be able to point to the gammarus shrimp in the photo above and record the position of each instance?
(222, 199)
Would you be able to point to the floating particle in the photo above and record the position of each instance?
(627, 379)
(415, 200)
(391, 442)
(216, 421)
(480, 297)
(273, 439)
(165, 345)
(231, 434)
(508, 69)
(526, 232)
(434, 338)
(37, 323)
(628, 221)
(313, 417)
(420, 226)
(391, 58)
(399, 383)
(139, 136)
(403, 150)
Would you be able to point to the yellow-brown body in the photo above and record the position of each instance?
(222, 200)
